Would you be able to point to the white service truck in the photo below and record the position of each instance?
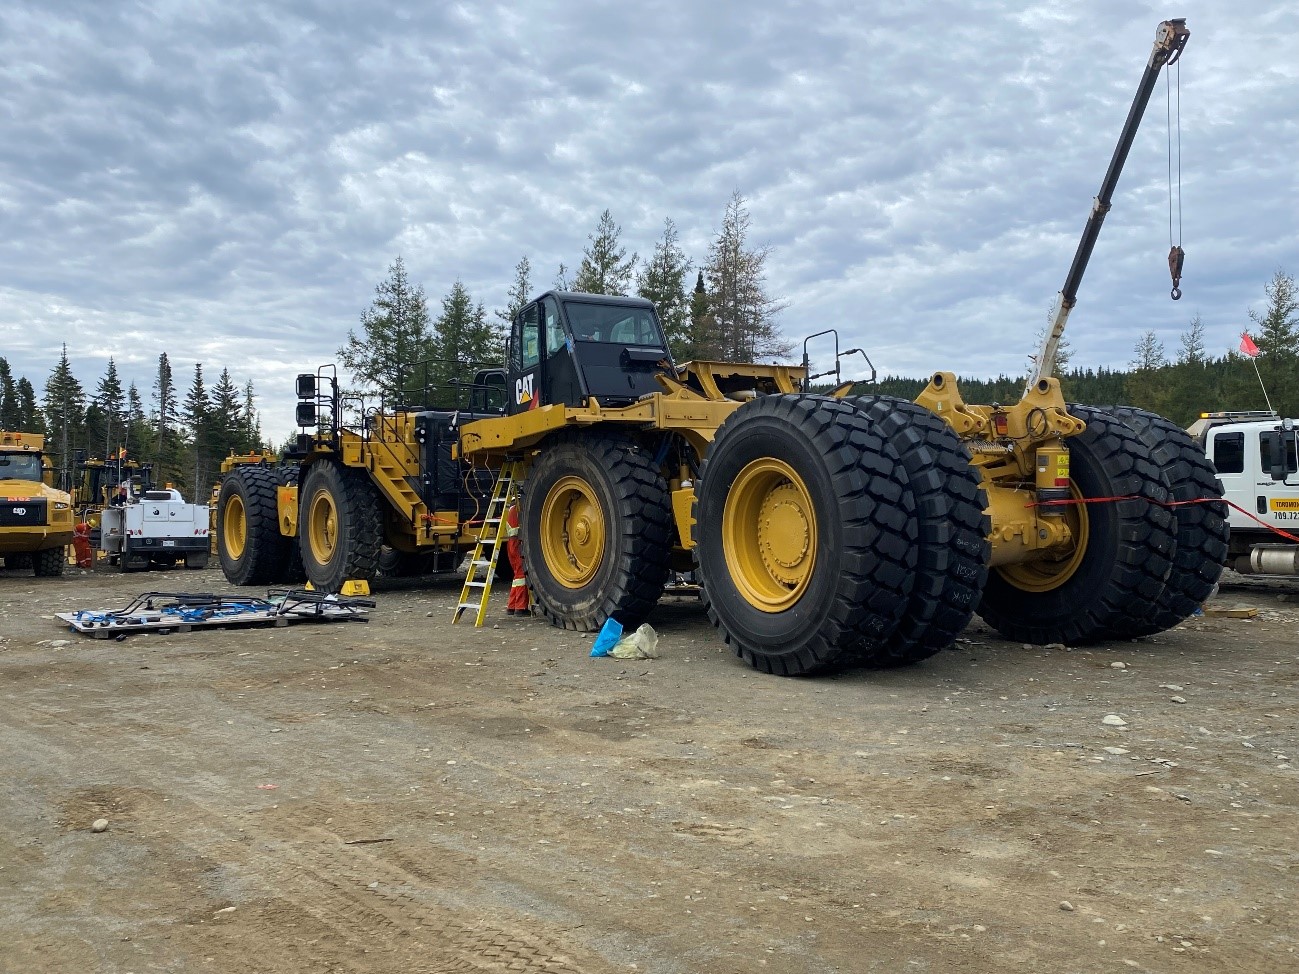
(153, 527)
(1256, 459)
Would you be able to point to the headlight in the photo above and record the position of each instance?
(60, 506)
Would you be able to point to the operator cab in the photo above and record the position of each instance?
(567, 348)
(20, 466)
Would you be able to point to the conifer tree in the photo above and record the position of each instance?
(395, 336)
(519, 294)
(110, 402)
(165, 438)
(65, 407)
(743, 314)
(605, 267)
(8, 397)
(462, 341)
(29, 416)
(663, 280)
(197, 416)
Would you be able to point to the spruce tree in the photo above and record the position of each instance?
(29, 416)
(743, 314)
(519, 294)
(605, 267)
(1278, 342)
(8, 398)
(395, 336)
(166, 422)
(663, 280)
(197, 416)
(65, 408)
(462, 341)
(110, 401)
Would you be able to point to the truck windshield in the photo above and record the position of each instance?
(20, 466)
(613, 325)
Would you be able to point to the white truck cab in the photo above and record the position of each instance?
(1255, 456)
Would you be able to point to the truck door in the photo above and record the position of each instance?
(562, 383)
(1226, 450)
(524, 359)
(1278, 498)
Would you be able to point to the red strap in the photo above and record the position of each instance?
(1198, 500)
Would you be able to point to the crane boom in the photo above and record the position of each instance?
(1170, 41)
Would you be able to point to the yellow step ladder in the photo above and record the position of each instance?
(491, 539)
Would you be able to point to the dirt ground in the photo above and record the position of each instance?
(405, 795)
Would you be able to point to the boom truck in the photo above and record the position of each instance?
(1256, 457)
(825, 529)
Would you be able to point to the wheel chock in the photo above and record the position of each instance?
(358, 586)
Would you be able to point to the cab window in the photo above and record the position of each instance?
(554, 329)
(1265, 451)
(525, 349)
(1229, 452)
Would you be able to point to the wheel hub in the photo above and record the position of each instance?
(572, 532)
(769, 534)
(784, 534)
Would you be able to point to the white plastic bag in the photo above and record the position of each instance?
(642, 644)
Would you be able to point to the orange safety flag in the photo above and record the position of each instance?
(1247, 346)
(121, 453)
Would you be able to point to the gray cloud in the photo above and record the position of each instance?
(228, 182)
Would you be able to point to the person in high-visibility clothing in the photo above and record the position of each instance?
(518, 604)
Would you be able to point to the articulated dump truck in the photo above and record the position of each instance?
(824, 530)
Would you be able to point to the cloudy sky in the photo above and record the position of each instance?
(227, 182)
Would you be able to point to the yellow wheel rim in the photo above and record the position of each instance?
(1053, 569)
(572, 532)
(234, 526)
(322, 526)
(769, 534)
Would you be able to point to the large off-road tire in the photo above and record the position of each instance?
(595, 525)
(18, 561)
(805, 534)
(952, 547)
(48, 563)
(1201, 528)
(339, 526)
(249, 544)
(1123, 553)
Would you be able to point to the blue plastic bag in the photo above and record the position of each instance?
(607, 638)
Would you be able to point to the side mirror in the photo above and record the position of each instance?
(306, 386)
(1274, 442)
(305, 414)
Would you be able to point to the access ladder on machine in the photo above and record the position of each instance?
(491, 537)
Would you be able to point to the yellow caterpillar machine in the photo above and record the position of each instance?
(825, 529)
(35, 518)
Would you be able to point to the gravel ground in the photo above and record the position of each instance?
(406, 795)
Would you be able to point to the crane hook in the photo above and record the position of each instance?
(1176, 256)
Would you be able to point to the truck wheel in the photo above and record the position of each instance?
(339, 526)
(1123, 553)
(48, 563)
(1201, 528)
(249, 544)
(805, 534)
(952, 547)
(595, 526)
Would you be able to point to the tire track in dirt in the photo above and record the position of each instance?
(352, 890)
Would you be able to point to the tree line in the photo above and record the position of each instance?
(1192, 381)
(403, 351)
(183, 436)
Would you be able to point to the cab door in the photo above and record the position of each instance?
(524, 359)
